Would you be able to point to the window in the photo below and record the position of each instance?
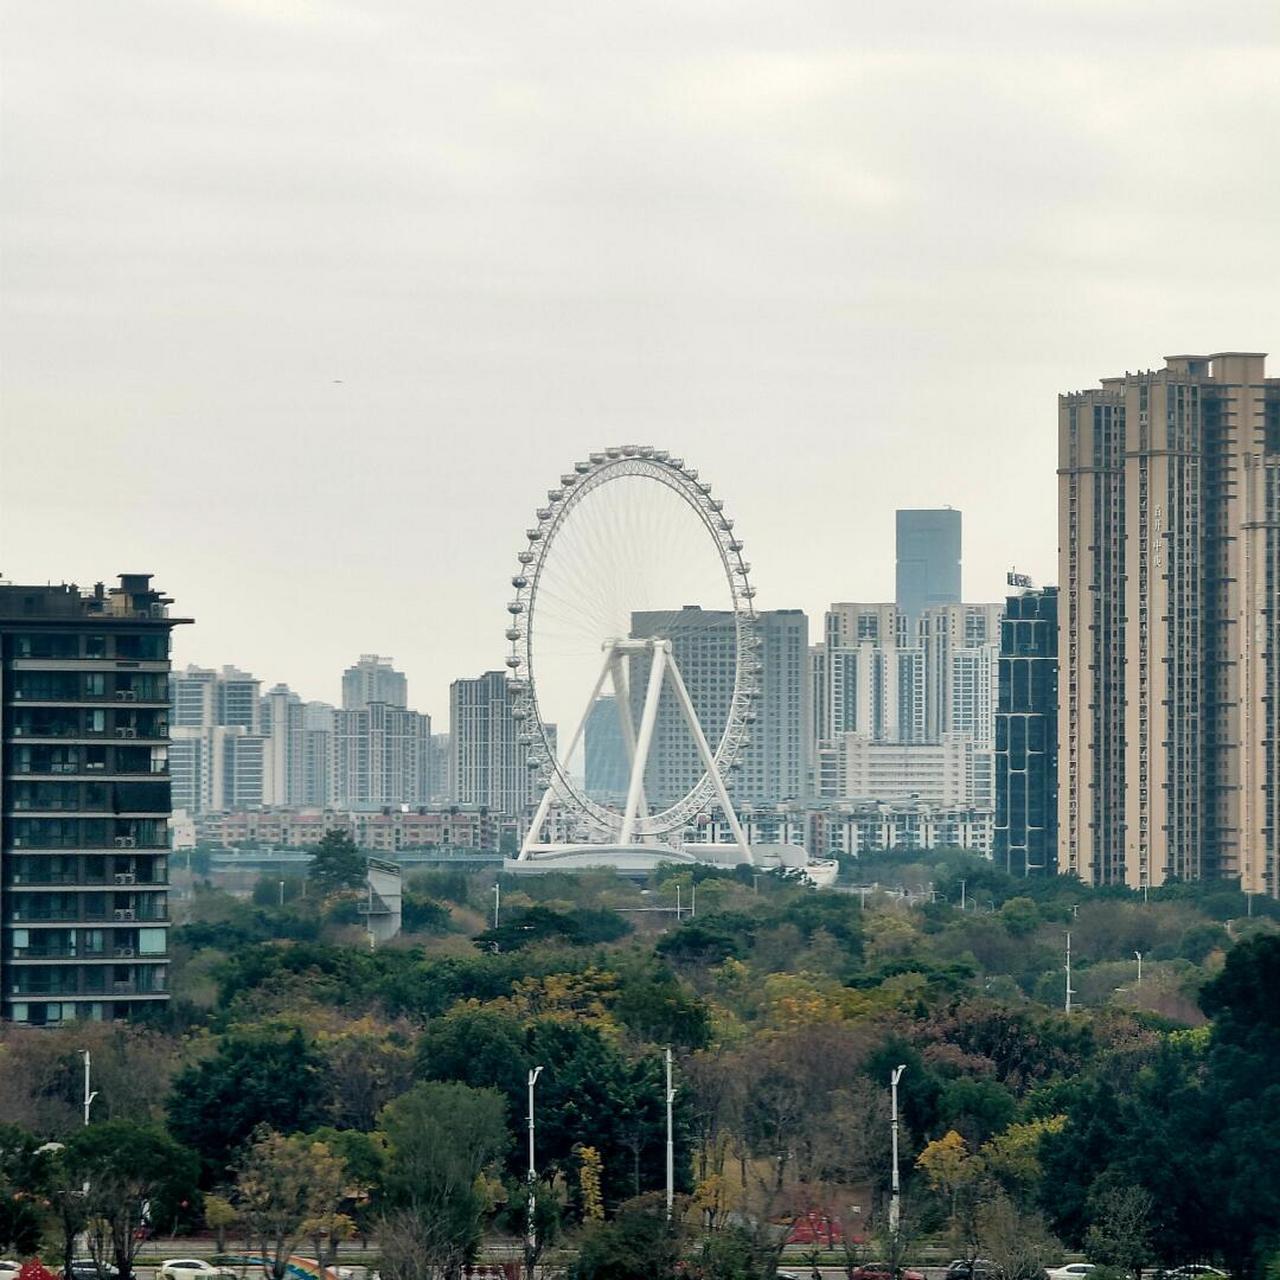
(151, 942)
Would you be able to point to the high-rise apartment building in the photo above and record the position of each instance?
(316, 780)
(373, 679)
(84, 800)
(874, 682)
(220, 756)
(889, 678)
(487, 763)
(1026, 824)
(1169, 563)
(381, 756)
(282, 718)
(928, 560)
(775, 764)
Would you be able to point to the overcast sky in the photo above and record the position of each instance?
(307, 302)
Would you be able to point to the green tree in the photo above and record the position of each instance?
(134, 1174)
(284, 1188)
(639, 1244)
(654, 1005)
(478, 1047)
(1020, 916)
(441, 1140)
(20, 1226)
(337, 864)
(252, 1080)
(1119, 1233)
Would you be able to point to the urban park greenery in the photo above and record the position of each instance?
(302, 1090)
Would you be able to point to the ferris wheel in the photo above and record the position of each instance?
(600, 625)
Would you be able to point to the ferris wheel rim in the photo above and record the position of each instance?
(608, 466)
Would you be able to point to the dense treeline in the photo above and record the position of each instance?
(303, 1089)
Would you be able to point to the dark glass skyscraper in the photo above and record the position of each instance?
(1026, 828)
(928, 560)
(84, 800)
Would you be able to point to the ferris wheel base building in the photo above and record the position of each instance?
(640, 859)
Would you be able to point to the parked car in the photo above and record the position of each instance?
(881, 1271)
(1072, 1271)
(9, 1268)
(1194, 1271)
(192, 1269)
(973, 1269)
(87, 1269)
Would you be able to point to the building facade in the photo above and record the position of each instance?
(84, 800)
(928, 560)
(950, 772)
(1026, 824)
(776, 762)
(378, 831)
(381, 755)
(373, 679)
(855, 830)
(488, 765)
(884, 678)
(606, 767)
(1169, 638)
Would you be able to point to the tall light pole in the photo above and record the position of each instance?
(532, 1238)
(1139, 955)
(671, 1142)
(895, 1196)
(88, 1097)
(1070, 992)
(497, 902)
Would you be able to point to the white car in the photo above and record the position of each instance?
(9, 1268)
(1072, 1271)
(191, 1269)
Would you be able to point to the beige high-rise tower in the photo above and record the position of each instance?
(1169, 624)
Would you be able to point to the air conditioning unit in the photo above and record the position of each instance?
(123, 953)
(125, 913)
(126, 695)
(126, 733)
(126, 842)
(126, 877)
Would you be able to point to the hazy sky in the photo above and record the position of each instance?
(307, 302)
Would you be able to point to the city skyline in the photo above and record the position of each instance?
(367, 330)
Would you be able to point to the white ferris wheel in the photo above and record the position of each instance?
(633, 601)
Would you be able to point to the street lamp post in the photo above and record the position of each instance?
(671, 1142)
(1070, 989)
(88, 1097)
(1139, 955)
(532, 1237)
(895, 1196)
(497, 902)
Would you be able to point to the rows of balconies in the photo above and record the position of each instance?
(145, 646)
(96, 796)
(111, 980)
(64, 687)
(36, 946)
(42, 906)
(87, 833)
(119, 723)
(99, 760)
(92, 870)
